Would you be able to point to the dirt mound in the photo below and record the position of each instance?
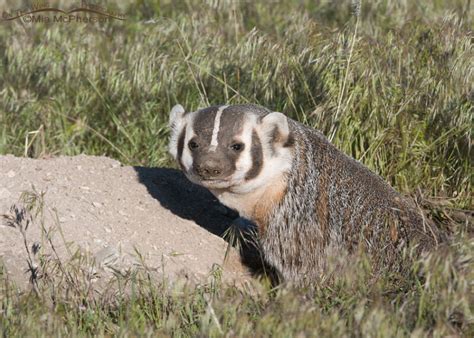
(123, 217)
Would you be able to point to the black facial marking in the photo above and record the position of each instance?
(181, 145)
(204, 124)
(231, 124)
(257, 157)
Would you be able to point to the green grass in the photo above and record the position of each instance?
(397, 94)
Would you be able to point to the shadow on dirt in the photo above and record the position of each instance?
(190, 201)
(185, 199)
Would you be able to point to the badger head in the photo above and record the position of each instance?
(233, 148)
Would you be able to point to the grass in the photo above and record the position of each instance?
(396, 93)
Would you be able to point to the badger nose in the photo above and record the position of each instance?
(208, 169)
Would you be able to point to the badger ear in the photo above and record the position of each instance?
(275, 127)
(175, 123)
(176, 114)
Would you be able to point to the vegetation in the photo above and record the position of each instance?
(391, 83)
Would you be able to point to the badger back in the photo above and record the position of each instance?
(335, 205)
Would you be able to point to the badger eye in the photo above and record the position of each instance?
(193, 145)
(237, 146)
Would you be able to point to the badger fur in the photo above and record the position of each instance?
(309, 201)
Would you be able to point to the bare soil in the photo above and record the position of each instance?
(121, 216)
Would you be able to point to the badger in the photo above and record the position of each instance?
(309, 201)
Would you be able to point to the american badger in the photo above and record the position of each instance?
(310, 201)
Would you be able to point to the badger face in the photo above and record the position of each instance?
(234, 148)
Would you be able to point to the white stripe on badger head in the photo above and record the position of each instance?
(215, 131)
